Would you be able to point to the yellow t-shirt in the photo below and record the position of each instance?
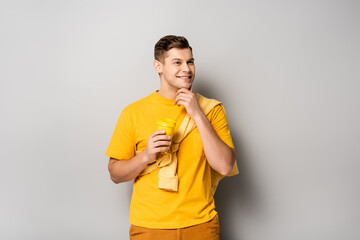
(150, 206)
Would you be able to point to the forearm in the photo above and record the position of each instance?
(127, 170)
(218, 154)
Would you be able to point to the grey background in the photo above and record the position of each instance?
(286, 71)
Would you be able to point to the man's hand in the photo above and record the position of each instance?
(126, 170)
(157, 142)
(188, 99)
(218, 154)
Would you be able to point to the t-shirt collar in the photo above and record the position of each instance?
(162, 99)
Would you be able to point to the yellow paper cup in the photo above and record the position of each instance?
(168, 125)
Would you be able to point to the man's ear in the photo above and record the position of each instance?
(158, 66)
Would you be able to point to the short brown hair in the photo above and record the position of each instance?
(168, 42)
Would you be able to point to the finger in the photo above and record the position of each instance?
(161, 149)
(162, 143)
(184, 94)
(182, 90)
(161, 137)
(158, 132)
(180, 102)
(185, 99)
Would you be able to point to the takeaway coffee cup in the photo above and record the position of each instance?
(168, 125)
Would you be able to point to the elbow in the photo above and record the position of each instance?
(113, 178)
(116, 178)
(116, 181)
(226, 170)
(119, 179)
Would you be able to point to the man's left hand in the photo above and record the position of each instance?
(188, 99)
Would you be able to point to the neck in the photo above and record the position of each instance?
(169, 94)
(167, 91)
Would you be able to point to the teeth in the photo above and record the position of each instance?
(184, 77)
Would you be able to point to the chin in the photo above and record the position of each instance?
(187, 87)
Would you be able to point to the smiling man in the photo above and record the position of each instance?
(174, 178)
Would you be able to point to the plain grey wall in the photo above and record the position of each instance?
(286, 71)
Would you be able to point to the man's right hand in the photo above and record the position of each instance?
(126, 170)
(157, 142)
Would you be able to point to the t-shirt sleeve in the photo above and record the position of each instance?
(218, 120)
(122, 144)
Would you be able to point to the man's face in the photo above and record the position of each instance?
(177, 70)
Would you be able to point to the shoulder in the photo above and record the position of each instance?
(201, 98)
(208, 105)
(138, 105)
(213, 108)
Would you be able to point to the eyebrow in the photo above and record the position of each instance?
(178, 59)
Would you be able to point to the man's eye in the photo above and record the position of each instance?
(190, 62)
(177, 62)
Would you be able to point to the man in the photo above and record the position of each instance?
(200, 155)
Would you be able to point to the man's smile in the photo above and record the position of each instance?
(184, 77)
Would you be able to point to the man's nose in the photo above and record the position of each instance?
(185, 67)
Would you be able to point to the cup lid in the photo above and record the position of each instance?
(167, 122)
